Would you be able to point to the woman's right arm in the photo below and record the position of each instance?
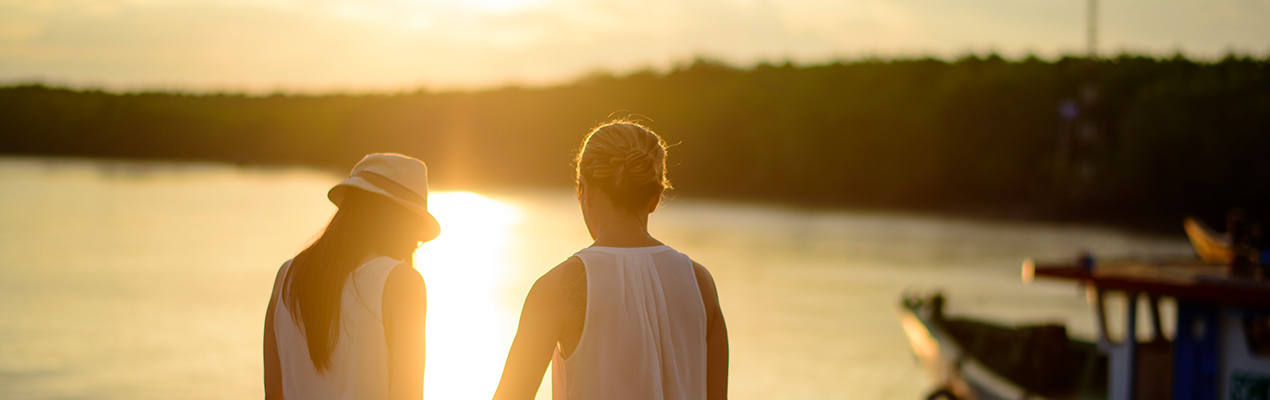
(541, 320)
(405, 316)
(273, 368)
(716, 337)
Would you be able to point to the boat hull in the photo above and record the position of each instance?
(981, 361)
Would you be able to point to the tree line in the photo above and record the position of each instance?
(1173, 136)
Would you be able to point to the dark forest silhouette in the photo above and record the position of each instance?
(978, 134)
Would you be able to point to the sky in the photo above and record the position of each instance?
(404, 45)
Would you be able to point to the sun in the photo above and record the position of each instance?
(468, 330)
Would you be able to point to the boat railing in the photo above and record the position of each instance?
(1139, 369)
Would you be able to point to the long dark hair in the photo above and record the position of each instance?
(365, 223)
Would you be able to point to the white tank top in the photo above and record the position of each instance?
(359, 362)
(644, 336)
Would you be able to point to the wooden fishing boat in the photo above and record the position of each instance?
(1220, 344)
(978, 360)
(1218, 347)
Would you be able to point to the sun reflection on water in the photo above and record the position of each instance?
(468, 331)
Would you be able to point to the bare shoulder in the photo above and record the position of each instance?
(704, 279)
(279, 279)
(405, 271)
(548, 285)
(404, 281)
(546, 304)
(709, 293)
(282, 271)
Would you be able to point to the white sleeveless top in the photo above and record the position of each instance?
(359, 362)
(644, 336)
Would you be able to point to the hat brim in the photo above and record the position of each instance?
(431, 227)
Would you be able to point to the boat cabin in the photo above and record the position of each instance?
(1220, 347)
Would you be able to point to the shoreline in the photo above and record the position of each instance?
(1160, 226)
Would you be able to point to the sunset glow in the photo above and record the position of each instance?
(394, 45)
(505, 5)
(468, 333)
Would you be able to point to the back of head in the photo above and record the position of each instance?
(627, 161)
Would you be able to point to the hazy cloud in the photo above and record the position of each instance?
(401, 44)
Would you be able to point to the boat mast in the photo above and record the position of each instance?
(1080, 134)
(1091, 33)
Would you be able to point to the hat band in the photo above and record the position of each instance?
(392, 187)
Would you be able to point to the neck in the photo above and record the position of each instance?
(625, 230)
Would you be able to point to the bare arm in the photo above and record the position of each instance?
(273, 368)
(716, 337)
(405, 308)
(541, 320)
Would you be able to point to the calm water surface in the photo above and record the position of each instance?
(149, 281)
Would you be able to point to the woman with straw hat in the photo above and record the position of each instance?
(346, 318)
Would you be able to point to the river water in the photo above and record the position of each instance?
(129, 280)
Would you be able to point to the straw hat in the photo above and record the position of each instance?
(400, 178)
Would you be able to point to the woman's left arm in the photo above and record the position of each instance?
(273, 367)
(716, 336)
(405, 309)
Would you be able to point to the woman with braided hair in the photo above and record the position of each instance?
(627, 317)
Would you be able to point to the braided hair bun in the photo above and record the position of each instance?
(627, 161)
